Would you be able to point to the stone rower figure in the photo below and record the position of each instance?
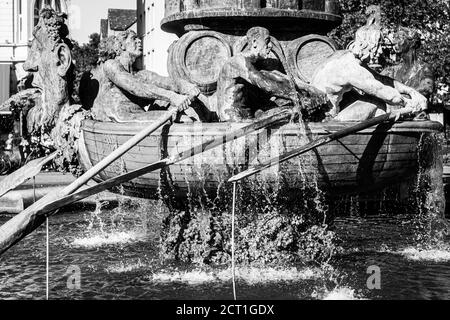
(116, 93)
(243, 89)
(347, 70)
(411, 70)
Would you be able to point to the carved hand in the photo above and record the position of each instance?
(180, 102)
(396, 98)
(419, 102)
(188, 88)
(194, 91)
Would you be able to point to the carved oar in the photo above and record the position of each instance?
(211, 144)
(28, 220)
(25, 173)
(317, 143)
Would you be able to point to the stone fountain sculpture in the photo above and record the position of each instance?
(116, 93)
(212, 31)
(410, 70)
(47, 110)
(213, 35)
(347, 70)
(50, 62)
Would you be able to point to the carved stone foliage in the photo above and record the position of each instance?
(65, 137)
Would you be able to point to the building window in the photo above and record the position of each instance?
(57, 6)
(19, 20)
(37, 8)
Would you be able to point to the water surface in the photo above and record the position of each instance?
(117, 255)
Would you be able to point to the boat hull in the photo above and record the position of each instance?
(368, 160)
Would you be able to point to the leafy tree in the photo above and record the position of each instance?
(430, 17)
(85, 59)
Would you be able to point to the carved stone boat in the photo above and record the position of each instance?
(368, 160)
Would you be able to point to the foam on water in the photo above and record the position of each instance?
(107, 239)
(340, 293)
(123, 267)
(435, 255)
(249, 275)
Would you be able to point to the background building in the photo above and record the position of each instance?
(17, 20)
(118, 20)
(156, 42)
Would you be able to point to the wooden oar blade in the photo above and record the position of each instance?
(105, 185)
(23, 174)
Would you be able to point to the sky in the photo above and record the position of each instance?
(86, 15)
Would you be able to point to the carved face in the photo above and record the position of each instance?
(49, 62)
(367, 46)
(401, 42)
(133, 45)
(262, 45)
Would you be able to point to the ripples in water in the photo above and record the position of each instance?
(434, 255)
(121, 262)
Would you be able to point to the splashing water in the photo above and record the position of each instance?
(428, 192)
(339, 293)
(273, 221)
(434, 255)
(108, 239)
(94, 218)
(133, 220)
(249, 275)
